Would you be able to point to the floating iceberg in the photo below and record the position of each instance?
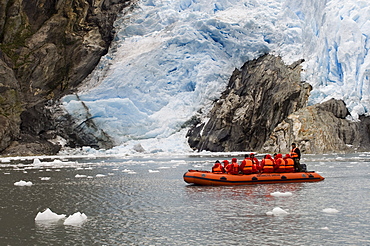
(330, 210)
(23, 183)
(277, 211)
(281, 194)
(48, 215)
(75, 219)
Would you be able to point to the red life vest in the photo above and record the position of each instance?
(218, 168)
(269, 166)
(248, 168)
(232, 168)
(293, 154)
(289, 165)
(281, 168)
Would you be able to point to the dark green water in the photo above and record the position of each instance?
(159, 208)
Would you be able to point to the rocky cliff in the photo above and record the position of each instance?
(264, 108)
(258, 97)
(47, 48)
(321, 128)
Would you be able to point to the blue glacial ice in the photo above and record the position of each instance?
(171, 59)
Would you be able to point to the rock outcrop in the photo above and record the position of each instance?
(47, 48)
(258, 97)
(264, 109)
(321, 128)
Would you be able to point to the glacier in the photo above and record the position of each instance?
(171, 59)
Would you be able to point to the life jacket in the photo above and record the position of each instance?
(269, 165)
(232, 168)
(235, 168)
(281, 168)
(218, 169)
(289, 165)
(293, 154)
(248, 168)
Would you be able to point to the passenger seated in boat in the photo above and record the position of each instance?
(267, 164)
(233, 167)
(218, 168)
(225, 162)
(255, 161)
(279, 166)
(289, 164)
(248, 166)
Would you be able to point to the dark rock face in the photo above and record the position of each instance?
(258, 97)
(47, 48)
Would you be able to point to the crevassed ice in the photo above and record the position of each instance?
(171, 59)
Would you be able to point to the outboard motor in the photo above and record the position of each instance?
(304, 167)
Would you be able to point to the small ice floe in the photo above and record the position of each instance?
(25, 172)
(48, 170)
(110, 174)
(277, 211)
(75, 219)
(57, 170)
(164, 167)
(49, 215)
(6, 173)
(36, 161)
(100, 175)
(281, 194)
(23, 183)
(153, 171)
(325, 228)
(128, 171)
(330, 210)
(90, 177)
(45, 178)
(80, 176)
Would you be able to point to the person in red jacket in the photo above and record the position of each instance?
(267, 164)
(218, 168)
(289, 164)
(256, 162)
(279, 164)
(225, 162)
(247, 166)
(233, 167)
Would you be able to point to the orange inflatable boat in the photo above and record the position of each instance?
(208, 178)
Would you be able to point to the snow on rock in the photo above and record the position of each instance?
(281, 194)
(330, 210)
(23, 183)
(99, 175)
(48, 215)
(75, 219)
(277, 211)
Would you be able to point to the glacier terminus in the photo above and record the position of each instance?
(171, 59)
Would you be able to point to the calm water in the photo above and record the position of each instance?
(158, 208)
